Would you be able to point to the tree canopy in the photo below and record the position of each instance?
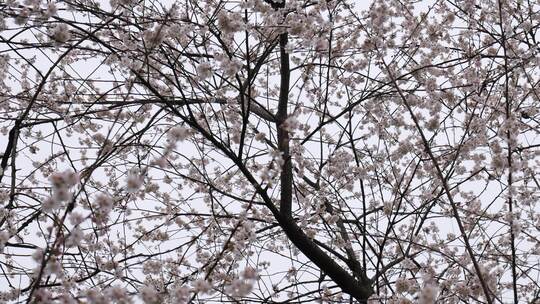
(269, 151)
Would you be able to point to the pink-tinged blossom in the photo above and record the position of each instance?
(202, 286)
(149, 295)
(230, 23)
(118, 294)
(23, 16)
(42, 296)
(250, 273)
(239, 288)
(61, 194)
(67, 299)
(51, 10)
(95, 296)
(204, 70)
(178, 133)
(135, 180)
(4, 237)
(49, 205)
(60, 33)
(61, 184)
(53, 266)
(104, 202)
(428, 294)
(402, 285)
(180, 294)
(155, 36)
(152, 267)
(38, 255)
(75, 237)
(320, 44)
(75, 218)
(260, 136)
(64, 179)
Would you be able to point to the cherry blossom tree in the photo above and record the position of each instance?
(269, 151)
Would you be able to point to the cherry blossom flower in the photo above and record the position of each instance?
(135, 180)
(60, 33)
(204, 70)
